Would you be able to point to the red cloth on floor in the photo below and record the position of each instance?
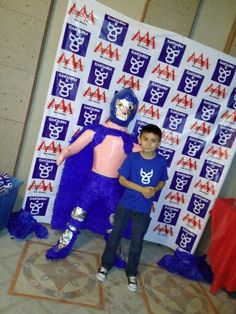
(222, 250)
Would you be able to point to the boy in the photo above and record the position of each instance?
(142, 174)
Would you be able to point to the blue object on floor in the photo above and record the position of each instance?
(22, 223)
(7, 201)
(187, 265)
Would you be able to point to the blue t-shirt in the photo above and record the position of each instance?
(145, 172)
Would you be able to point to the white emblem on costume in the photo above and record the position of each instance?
(146, 176)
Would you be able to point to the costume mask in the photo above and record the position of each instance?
(124, 106)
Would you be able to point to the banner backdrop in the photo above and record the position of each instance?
(186, 88)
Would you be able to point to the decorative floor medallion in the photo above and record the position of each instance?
(71, 280)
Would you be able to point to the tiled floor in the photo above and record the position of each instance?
(22, 267)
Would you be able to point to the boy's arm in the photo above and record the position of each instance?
(159, 186)
(154, 190)
(82, 141)
(146, 191)
(129, 184)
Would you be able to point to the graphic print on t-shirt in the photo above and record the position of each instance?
(146, 176)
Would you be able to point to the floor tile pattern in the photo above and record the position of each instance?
(31, 284)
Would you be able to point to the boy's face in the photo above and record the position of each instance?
(149, 142)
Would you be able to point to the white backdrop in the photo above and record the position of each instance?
(186, 88)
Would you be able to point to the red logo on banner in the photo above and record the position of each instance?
(62, 106)
(189, 163)
(148, 42)
(201, 128)
(75, 64)
(82, 13)
(165, 71)
(203, 63)
(95, 94)
(193, 221)
(229, 116)
(129, 82)
(112, 54)
(177, 197)
(41, 186)
(150, 112)
(163, 229)
(50, 147)
(218, 90)
(205, 187)
(170, 137)
(218, 152)
(187, 102)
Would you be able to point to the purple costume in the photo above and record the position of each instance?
(86, 199)
(83, 187)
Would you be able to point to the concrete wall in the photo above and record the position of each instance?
(22, 27)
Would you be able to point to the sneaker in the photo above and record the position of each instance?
(102, 273)
(132, 283)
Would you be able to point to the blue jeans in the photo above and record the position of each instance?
(140, 223)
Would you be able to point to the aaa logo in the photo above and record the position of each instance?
(145, 39)
(83, 13)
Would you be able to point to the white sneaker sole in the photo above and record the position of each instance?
(100, 278)
(132, 289)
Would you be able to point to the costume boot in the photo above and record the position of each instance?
(66, 241)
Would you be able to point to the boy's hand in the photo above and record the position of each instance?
(148, 191)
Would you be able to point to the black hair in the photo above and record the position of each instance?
(152, 128)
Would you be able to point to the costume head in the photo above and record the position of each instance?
(124, 106)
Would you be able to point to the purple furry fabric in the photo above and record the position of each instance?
(79, 185)
(22, 223)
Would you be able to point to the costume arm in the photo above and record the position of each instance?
(82, 141)
(136, 148)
